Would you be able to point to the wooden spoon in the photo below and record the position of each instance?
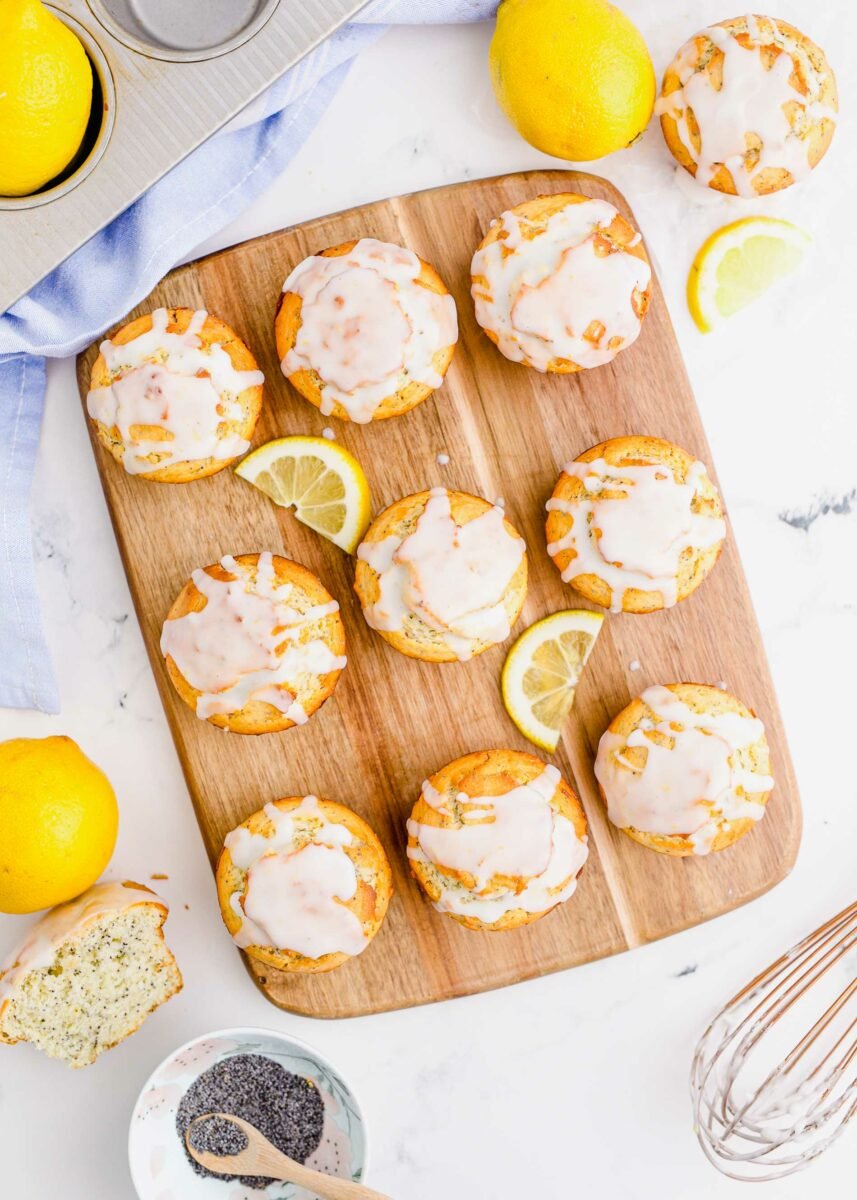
(260, 1157)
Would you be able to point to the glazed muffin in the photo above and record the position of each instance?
(365, 330)
(684, 769)
(441, 575)
(254, 644)
(748, 106)
(175, 395)
(561, 283)
(635, 524)
(303, 884)
(497, 839)
(88, 973)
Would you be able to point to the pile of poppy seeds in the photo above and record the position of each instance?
(287, 1109)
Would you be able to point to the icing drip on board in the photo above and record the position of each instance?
(298, 882)
(557, 295)
(753, 100)
(43, 940)
(171, 382)
(368, 328)
(517, 834)
(453, 577)
(642, 532)
(693, 785)
(243, 645)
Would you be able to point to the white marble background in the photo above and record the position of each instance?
(575, 1084)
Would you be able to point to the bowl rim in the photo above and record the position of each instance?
(243, 1031)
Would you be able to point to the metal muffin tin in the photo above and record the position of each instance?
(167, 74)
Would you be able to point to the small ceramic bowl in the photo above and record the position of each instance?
(159, 1167)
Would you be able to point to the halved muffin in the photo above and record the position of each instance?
(88, 973)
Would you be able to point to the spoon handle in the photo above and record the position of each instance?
(331, 1187)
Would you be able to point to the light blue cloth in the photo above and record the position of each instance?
(99, 283)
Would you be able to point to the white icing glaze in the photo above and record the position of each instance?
(453, 577)
(367, 327)
(243, 645)
(172, 382)
(694, 785)
(542, 298)
(752, 100)
(298, 882)
(635, 539)
(44, 939)
(518, 834)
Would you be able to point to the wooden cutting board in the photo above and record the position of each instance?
(392, 721)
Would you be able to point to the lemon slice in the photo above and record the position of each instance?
(739, 263)
(324, 484)
(542, 670)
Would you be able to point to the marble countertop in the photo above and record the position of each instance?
(577, 1082)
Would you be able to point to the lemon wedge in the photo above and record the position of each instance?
(542, 670)
(321, 480)
(738, 264)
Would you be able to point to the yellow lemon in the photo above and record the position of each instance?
(45, 96)
(58, 822)
(573, 76)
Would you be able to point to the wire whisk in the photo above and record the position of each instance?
(765, 1105)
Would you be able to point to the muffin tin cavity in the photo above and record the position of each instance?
(98, 129)
(189, 32)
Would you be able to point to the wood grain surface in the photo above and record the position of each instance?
(392, 721)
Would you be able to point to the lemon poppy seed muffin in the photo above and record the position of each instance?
(88, 973)
(748, 106)
(635, 524)
(685, 769)
(561, 283)
(365, 330)
(441, 575)
(175, 395)
(254, 643)
(303, 884)
(497, 839)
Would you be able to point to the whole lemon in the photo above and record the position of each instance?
(58, 822)
(573, 76)
(45, 96)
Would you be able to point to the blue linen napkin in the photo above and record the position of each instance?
(64, 312)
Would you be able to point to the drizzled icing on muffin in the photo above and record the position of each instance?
(757, 119)
(633, 525)
(171, 397)
(567, 292)
(692, 782)
(452, 577)
(367, 327)
(245, 643)
(299, 880)
(517, 836)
